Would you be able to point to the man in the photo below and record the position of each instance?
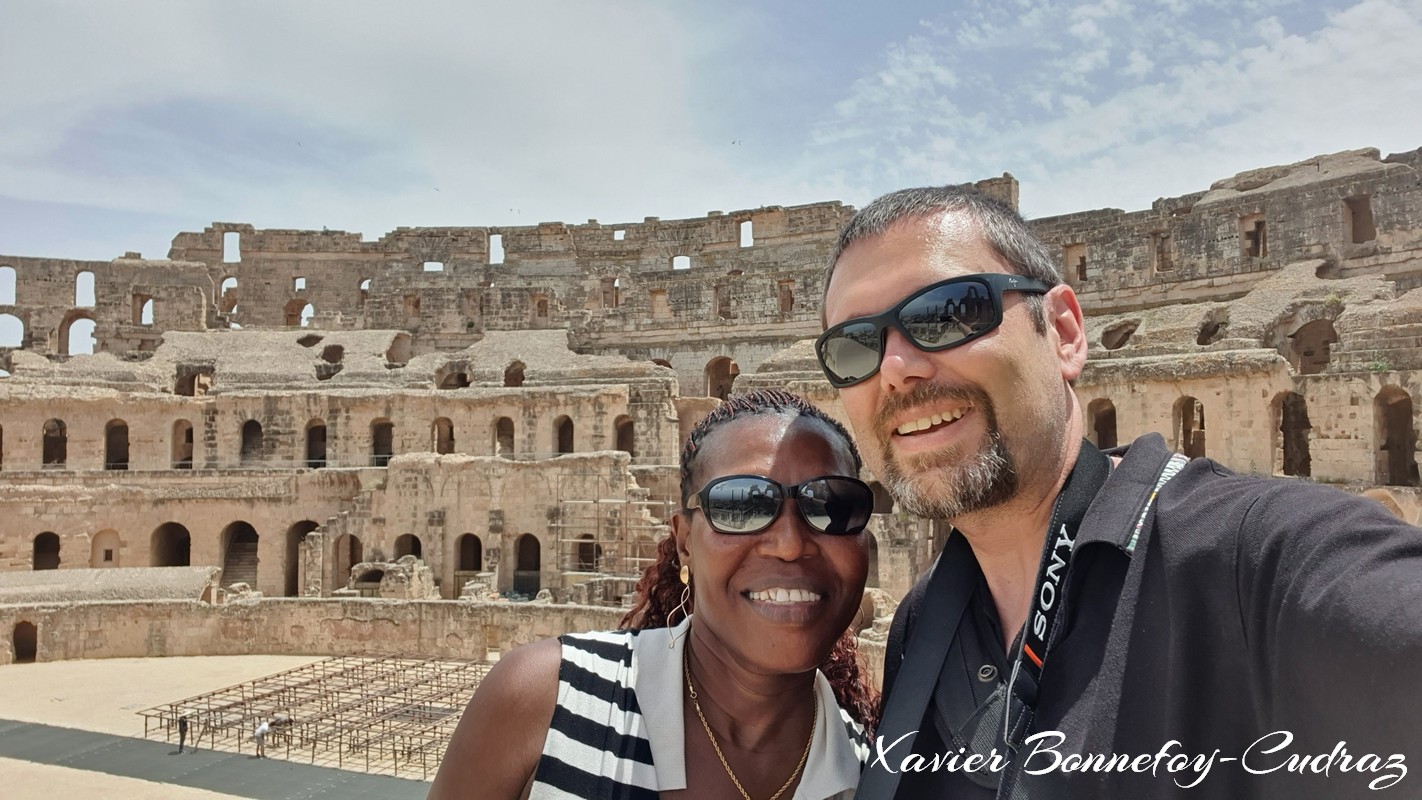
(182, 731)
(260, 736)
(1137, 625)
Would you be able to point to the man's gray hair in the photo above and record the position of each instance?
(1002, 227)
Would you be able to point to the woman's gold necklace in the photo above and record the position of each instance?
(814, 723)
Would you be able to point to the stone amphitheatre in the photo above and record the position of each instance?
(447, 442)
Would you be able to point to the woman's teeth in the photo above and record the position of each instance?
(786, 596)
(928, 422)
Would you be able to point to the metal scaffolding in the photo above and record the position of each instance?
(615, 534)
(380, 714)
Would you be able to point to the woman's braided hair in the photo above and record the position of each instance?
(659, 589)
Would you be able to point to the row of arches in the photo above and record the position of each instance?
(83, 288)
(1394, 433)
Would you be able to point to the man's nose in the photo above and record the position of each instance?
(903, 364)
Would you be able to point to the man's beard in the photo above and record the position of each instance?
(948, 483)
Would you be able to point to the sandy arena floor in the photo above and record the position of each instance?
(105, 695)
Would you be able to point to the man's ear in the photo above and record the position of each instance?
(1065, 322)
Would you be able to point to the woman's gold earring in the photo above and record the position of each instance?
(681, 607)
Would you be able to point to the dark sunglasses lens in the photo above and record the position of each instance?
(837, 506)
(949, 314)
(742, 505)
(852, 352)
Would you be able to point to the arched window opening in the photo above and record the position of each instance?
(471, 553)
(589, 554)
(116, 444)
(55, 449)
(193, 381)
(513, 374)
(347, 551)
(26, 640)
(315, 444)
(443, 435)
(104, 550)
(504, 437)
(364, 291)
(382, 442)
(46, 551)
(529, 560)
(12, 331)
(251, 442)
(721, 374)
(171, 546)
(144, 312)
(1116, 336)
(182, 445)
(227, 294)
(626, 435)
(408, 544)
(454, 378)
(7, 286)
(1293, 436)
(295, 536)
(1190, 427)
(1101, 423)
(239, 554)
(563, 428)
(1311, 346)
(84, 290)
(77, 336)
(298, 313)
(1396, 436)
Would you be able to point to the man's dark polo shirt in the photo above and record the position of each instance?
(1247, 606)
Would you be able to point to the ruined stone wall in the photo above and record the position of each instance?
(292, 627)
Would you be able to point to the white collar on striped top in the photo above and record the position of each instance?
(831, 769)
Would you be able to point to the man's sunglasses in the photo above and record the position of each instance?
(740, 504)
(936, 317)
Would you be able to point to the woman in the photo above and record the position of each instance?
(769, 551)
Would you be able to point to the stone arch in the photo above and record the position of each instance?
(1189, 426)
(382, 442)
(1290, 435)
(346, 552)
(26, 641)
(298, 313)
(251, 442)
(452, 376)
(78, 342)
(84, 289)
(563, 434)
(46, 551)
(1396, 437)
(170, 546)
(227, 294)
(12, 331)
(471, 553)
(364, 291)
(408, 544)
(116, 444)
(182, 444)
(239, 554)
(721, 375)
(1101, 422)
(442, 436)
(55, 447)
(513, 374)
(626, 435)
(295, 536)
(528, 557)
(1310, 347)
(316, 444)
(104, 550)
(504, 437)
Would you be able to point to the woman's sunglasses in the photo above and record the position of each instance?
(740, 504)
(936, 317)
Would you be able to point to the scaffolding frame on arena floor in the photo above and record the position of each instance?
(381, 714)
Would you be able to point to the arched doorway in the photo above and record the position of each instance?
(295, 535)
(563, 429)
(116, 444)
(1396, 437)
(528, 574)
(382, 442)
(182, 445)
(251, 441)
(316, 444)
(55, 450)
(1293, 431)
(1189, 420)
(408, 544)
(46, 551)
(1311, 346)
(442, 435)
(1101, 423)
(721, 373)
(104, 550)
(513, 374)
(626, 435)
(471, 553)
(26, 640)
(346, 552)
(504, 437)
(171, 546)
(239, 554)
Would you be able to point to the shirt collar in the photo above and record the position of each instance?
(831, 767)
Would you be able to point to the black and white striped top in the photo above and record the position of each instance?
(605, 743)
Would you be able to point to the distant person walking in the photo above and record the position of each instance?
(182, 731)
(260, 736)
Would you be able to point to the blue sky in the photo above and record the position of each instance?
(127, 122)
